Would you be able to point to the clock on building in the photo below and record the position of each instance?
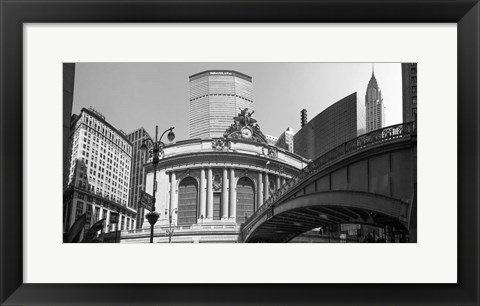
(246, 132)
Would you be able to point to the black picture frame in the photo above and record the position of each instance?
(14, 13)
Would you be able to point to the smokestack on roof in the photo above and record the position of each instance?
(303, 117)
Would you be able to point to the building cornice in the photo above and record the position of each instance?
(237, 140)
(93, 114)
(211, 72)
(231, 159)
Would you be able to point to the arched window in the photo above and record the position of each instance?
(245, 199)
(187, 201)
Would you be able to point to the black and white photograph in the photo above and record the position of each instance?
(259, 152)
(162, 136)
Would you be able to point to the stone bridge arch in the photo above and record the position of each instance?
(304, 213)
(370, 179)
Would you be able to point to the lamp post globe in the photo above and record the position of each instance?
(171, 135)
(152, 217)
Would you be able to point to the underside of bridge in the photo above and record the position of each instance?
(305, 213)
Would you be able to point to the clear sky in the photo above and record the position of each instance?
(132, 95)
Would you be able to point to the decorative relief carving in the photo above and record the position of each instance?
(217, 182)
(219, 145)
(272, 153)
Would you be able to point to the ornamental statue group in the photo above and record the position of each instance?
(244, 119)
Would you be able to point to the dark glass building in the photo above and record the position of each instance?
(332, 127)
(137, 175)
(409, 91)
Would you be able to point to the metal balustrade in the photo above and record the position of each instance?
(217, 227)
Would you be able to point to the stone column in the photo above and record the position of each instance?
(233, 196)
(209, 195)
(134, 223)
(266, 193)
(260, 190)
(119, 224)
(173, 196)
(284, 180)
(225, 195)
(278, 183)
(203, 195)
(107, 228)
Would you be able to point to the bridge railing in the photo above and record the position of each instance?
(359, 143)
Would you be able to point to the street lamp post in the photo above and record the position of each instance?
(156, 149)
(170, 231)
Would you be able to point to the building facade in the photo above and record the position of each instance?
(409, 91)
(137, 174)
(206, 188)
(332, 127)
(99, 173)
(211, 186)
(216, 97)
(375, 110)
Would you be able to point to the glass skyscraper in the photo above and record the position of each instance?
(215, 98)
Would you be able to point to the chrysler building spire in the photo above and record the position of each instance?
(375, 111)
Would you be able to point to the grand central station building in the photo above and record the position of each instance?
(209, 185)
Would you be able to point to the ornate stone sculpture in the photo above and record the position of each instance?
(245, 127)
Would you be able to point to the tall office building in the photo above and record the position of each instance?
(285, 140)
(68, 87)
(215, 98)
(137, 174)
(409, 91)
(375, 111)
(332, 127)
(99, 172)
